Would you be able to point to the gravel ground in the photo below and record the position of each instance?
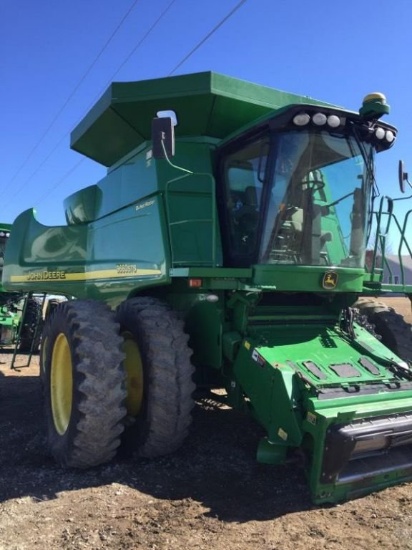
(211, 493)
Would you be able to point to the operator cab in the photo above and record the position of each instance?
(298, 188)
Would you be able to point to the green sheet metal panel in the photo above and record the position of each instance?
(89, 260)
(206, 104)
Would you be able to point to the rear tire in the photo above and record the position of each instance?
(84, 384)
(395, 332)
(159, 374)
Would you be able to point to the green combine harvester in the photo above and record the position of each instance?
(20, 314)
(235, 264)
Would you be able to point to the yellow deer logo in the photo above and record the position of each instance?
(330, 280)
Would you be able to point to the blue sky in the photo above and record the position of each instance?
(58, 56)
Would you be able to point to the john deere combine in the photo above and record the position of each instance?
(234, 264)
(20, 314)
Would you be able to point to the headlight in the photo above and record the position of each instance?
(319, 119)
(334, 121)
(379, 133)
(301, 119)
(389, 136)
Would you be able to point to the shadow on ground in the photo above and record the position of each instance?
(216, 466)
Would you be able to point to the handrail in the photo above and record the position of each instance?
(382, 232)
(35, 335)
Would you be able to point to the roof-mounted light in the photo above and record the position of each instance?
(301, 119)
(334, 121)
(389, 136)
(379, 133)
(319, 119)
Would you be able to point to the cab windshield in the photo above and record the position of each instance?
(299, 198)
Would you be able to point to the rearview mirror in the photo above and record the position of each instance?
(402, 176)
(163, 137)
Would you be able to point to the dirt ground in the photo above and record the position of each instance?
(210, 494)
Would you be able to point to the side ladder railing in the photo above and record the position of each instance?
(388, 228)
(40, 298)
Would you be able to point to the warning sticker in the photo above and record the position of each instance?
(282, 434)
(311, 418)
(258, 358)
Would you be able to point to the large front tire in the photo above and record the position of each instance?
(159, 374)
(84, 384)
(394, 331)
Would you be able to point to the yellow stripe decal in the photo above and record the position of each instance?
(62, 276)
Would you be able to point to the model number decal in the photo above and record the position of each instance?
(126, 269)
(46, 275)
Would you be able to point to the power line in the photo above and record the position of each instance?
(80, 82)
(191, 52)
(19, 189)
(209, 34)
(25, 182)
(61, 180)
(141, 41)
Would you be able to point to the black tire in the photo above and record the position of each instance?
(159, 374)
(52, 303)
(48, 323)
(51, 306)
(30, 334)
(395, 332)
(84, 383)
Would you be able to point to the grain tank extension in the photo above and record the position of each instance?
(234, 264)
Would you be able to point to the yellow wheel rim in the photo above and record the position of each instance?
(61, 384)
(134, 374)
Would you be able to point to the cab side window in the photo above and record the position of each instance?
(244, 181)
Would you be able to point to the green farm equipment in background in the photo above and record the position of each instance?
(20, 313)
(233, 265)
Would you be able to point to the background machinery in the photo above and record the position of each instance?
(235, 264)
(20, 313)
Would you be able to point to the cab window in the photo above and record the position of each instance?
(243, 174)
